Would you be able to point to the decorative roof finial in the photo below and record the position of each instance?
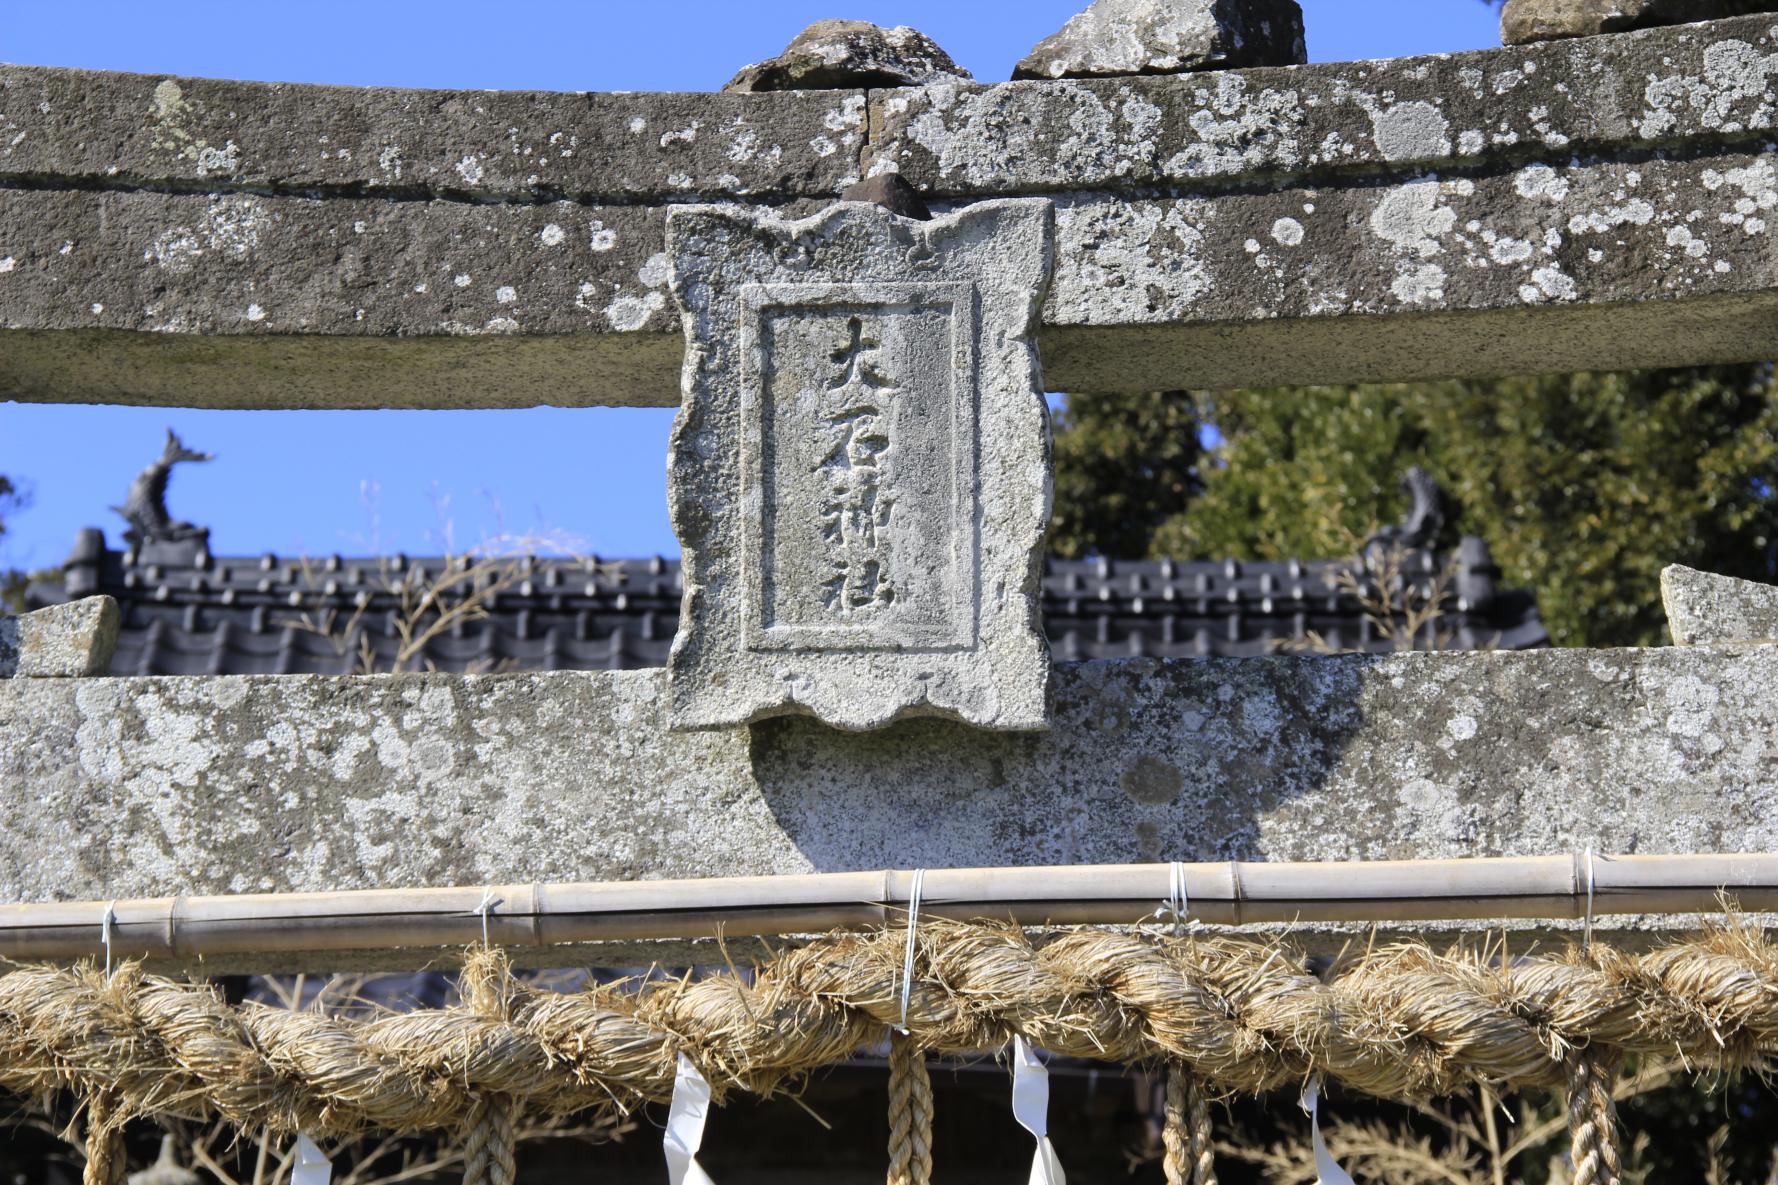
(146, 505)
(1425, 518)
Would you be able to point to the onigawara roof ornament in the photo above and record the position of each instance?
(1425, 517)
(146, 504)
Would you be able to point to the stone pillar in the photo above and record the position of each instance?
(859, 474)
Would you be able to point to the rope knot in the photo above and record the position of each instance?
(487, 985)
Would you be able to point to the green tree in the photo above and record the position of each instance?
(12, 582)
(1584, 486)
(1125, 465)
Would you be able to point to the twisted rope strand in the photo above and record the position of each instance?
(1203, 1135)
(1592, 1119)
(1398, 1022)
(910, 1114)
(1176, 1134)
(490, 1136)
(1187, 1139)
(476, 1134)
(490, 1139)
(107, 1160)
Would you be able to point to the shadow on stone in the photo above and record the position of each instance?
(1148, 761)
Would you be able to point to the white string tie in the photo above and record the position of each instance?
(1178, 903)
(106, 925)
(1586, 938)
(489, 901)
(907, 957)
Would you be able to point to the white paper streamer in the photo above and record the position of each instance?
(1031, 1107)
(1327, 1169)
(685, 1126)
(312, 1166)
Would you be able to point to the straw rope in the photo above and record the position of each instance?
(489, 1142)
(1592, 1119)
(490, 1132)
(1187, 1140)
(106, 1160)
(1399, 1022)
(910, 1113)
(1176, 1133)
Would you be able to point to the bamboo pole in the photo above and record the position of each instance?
(1231, 893)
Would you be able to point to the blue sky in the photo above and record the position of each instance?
(317, 482)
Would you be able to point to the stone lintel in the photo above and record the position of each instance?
(106, 130)
(127, 787)
(1602, 202)
(1681, 91)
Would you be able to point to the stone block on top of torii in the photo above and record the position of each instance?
(1524, 22)
(859, 473)
(1119, 38)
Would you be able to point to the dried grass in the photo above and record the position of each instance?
(1400, 1022)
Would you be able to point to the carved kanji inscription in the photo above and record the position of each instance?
(855, 432)
(866, 415)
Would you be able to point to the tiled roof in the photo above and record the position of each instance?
(186, 612)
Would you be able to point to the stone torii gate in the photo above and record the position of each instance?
(1601, 202)
(860, 483)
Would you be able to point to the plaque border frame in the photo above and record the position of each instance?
(861, 255)
(960, 299)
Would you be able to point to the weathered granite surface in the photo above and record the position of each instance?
(859, 472)
(1499, 211)
(1525, 21)
(139, 787)
(122, 132)
(842, 55)
(1706, 87)
(69, 641)
(1703, 608)
(1113, 38)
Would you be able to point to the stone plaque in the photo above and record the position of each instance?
(859, 473)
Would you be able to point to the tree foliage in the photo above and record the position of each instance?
(12, 582)
(1584, 486)
(1125, 465)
